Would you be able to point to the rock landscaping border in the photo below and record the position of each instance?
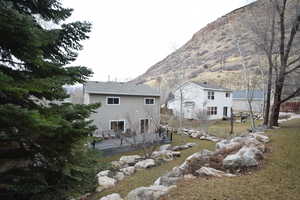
(230, 156)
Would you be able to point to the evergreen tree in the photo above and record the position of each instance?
(41, 139)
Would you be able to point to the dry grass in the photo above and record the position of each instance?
(147, 177)
(278, 179)
(218, 128)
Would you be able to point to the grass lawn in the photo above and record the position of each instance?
(220, 128)
(147, 177)
(279, 178)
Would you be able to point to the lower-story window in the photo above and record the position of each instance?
(117, 125)
(212, 110)
(144, 125)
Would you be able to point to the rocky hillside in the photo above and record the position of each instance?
(211, 55)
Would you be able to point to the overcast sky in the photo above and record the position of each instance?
(129, 36)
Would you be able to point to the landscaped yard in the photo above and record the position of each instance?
(278, 179)
(147, 177)
(220, 128)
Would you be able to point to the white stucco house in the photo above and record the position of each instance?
(213, 101)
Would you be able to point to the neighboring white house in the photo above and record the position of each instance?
(240, 100)
(195, 97)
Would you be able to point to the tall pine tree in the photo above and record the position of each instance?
(42, 155)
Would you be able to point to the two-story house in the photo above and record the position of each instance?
(192, 98)
(123, 106)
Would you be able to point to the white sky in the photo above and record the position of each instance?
(129, 36)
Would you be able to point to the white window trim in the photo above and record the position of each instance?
(210, 99)
(113, 103)
(149, 98)
(121, 120)
(212, 110)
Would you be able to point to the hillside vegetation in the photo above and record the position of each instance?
(212, 54)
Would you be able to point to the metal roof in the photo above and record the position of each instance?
(242, 94)
(211, 87)
(120, 88)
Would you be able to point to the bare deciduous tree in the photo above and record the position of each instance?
(275, 24)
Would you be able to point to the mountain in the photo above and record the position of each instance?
(211, 55)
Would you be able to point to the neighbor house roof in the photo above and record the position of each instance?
(210, 86)
(120, 88)
(242, 94)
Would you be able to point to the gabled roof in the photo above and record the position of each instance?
(119, 88)
(242, 94)
(210, 86)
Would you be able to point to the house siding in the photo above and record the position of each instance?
(192, 92)
(131, 109)
(242, 105)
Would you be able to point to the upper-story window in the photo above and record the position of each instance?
(149, 101)
(211, 95)
(227, 94)
(113, 100)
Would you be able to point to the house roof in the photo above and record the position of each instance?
(210, 86)
(242, 94)
(120, 88)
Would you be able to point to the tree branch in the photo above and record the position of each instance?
(11, 62)
(291, 70)
(294, 61)
(294, 94)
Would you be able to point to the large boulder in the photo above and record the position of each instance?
(196, 161)
(114, 196)
(128, 171)
(248, 156)
(227, 144)
(119, 176)
(165, 147)
(118, 164)
(207, 171)
(196, 134)
(143, 164)
(260, 137)
(170, 178)
(252, 142)
(210, 138)
(153, 192)
(166, 155)
(106, 182)
(130, 160)
(104, 173)
(180, 147)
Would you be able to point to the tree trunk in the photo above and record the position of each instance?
(268, 100)
(181, 111)
(277, 101)
(275, 113)
(251, 115)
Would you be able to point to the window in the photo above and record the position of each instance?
(144, 125)
(117, 125)
(212, 110)
(227, 94)
(211, 95)
(113, 100)
(149, 101)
